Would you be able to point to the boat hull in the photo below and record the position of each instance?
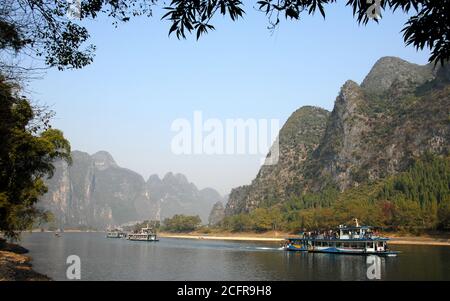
(355, 252)
(116, 235)
(134, 239)
(141, 237)
(342, 251)
(296, 248)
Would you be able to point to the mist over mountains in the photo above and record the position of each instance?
(94, 192)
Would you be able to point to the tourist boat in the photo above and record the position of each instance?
(357, 240)
(146, 234)
(115, 234)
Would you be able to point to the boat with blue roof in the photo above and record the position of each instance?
(355, 240)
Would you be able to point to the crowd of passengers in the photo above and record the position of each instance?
(333, 234)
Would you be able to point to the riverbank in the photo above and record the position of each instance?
(238, 237)
(426, 240)
(65, 230)
(396, 239)
(15, 266)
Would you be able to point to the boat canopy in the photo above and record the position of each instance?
(343, 227)
(342, 232)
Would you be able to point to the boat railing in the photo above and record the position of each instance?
(324, 237)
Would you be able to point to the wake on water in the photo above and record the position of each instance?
(266, 248)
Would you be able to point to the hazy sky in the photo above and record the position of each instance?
(142, 80)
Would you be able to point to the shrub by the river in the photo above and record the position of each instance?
(181, 223)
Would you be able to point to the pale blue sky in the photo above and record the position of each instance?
(141, 80)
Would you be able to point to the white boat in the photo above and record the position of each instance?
(115, 234)
(146, 234)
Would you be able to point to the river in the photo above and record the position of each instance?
(189, 259)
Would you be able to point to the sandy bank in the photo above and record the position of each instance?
(419, 241)
(14, 266)
(213, 237)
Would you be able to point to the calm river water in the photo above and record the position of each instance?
(184, 259)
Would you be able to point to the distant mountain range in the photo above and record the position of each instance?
(376, 129)
(94, 192)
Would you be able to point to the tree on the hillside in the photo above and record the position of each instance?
(51, 28)
(264, 219)
(182, 223)
(444, 214)
(28, 148)
(237, 223)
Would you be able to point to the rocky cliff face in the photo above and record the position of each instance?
(376, 129)
(95, 192)
(373, 133)
(217, 214)
(298, 138)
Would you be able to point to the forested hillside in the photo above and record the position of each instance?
(381, 155)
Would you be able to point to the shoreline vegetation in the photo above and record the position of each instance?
(15, 266)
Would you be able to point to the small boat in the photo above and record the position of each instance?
(355, 240)
(59, 232)
(116, 234)
(146, 234)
